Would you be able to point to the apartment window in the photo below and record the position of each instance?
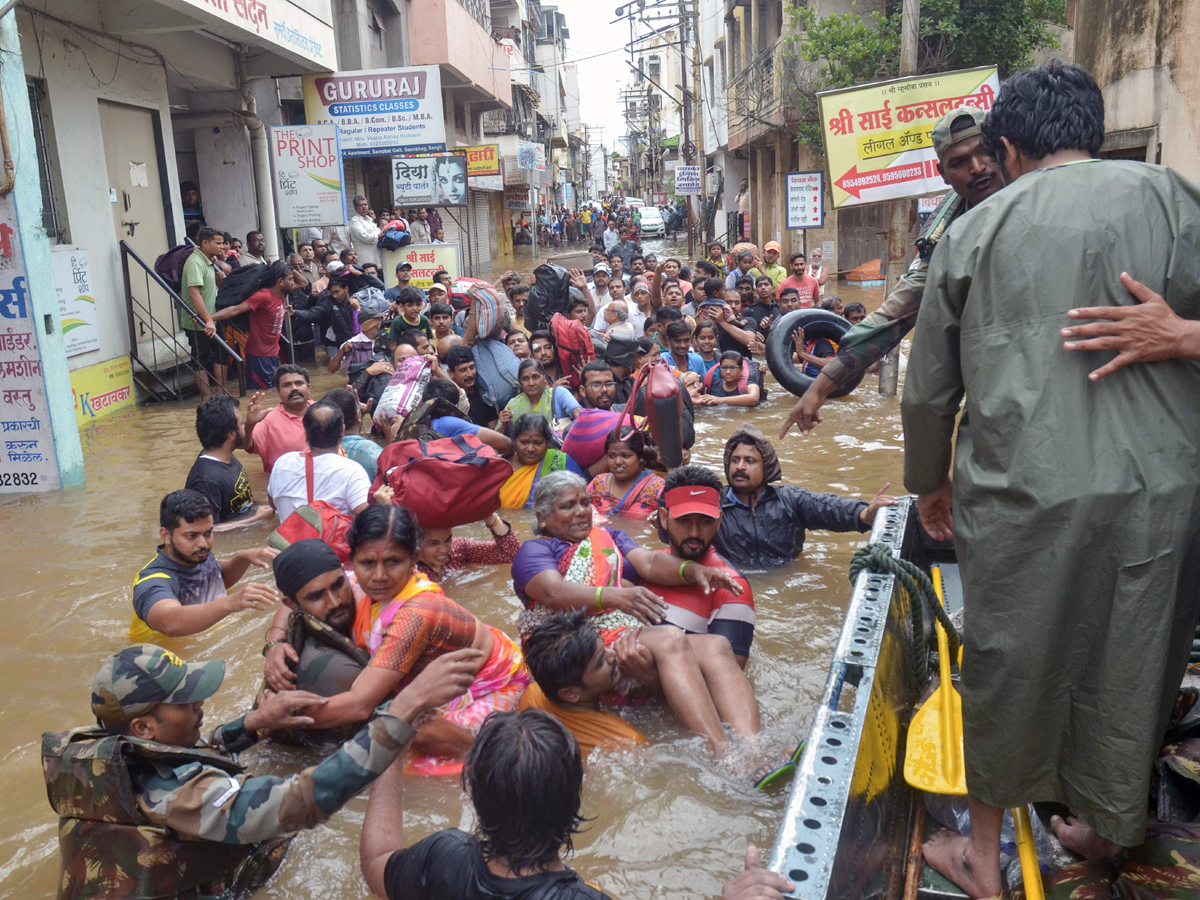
(460, 117)
(54, 221)
(655, 66)
(476, 123)
(375, 27)
(724, 71)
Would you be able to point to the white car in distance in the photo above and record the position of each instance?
(653, 224)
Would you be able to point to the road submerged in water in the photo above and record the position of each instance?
(665, 817)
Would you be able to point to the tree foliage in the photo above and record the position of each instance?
(845, 49)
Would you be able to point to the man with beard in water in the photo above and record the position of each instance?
(689, 514)
(967, 166)
(316, 635)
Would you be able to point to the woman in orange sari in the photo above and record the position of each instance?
(407, 623)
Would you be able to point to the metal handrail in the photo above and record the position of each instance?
(178, 301)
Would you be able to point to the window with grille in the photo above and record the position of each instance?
(53, 220)
(655, 66)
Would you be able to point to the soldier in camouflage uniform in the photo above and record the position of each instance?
(965, 163)
(148, 810)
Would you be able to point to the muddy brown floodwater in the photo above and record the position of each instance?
(664, 818)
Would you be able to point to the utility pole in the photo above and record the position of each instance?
(899, 243)
(684, 115)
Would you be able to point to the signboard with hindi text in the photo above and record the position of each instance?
(516, 196)
(805, 199)
(102, 389)
(76, 302)
(28, 461)
(430, 179)
(483, 166)
(380, 112)
(687, 180)
(878, 137)
(426, 260)
(306, 169)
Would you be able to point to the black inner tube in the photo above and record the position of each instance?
(817, 323)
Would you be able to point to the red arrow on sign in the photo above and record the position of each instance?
(854, 182)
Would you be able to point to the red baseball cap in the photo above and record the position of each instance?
(682, 501)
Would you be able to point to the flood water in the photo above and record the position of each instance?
(665, 818)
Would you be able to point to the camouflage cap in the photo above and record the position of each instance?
(943, 140)
(139, 678)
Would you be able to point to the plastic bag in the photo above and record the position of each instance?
(549, 295)
(404, 391)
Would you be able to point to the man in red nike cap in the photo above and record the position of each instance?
(689, 514)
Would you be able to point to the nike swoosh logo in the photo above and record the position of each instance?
(696, 493)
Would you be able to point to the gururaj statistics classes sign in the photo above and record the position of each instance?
(380, 112)
(878, 137)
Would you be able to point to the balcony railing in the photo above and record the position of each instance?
(754, 94)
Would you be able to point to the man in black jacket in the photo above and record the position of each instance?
(334, 310)
(763, 525)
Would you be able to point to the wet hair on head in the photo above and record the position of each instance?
(552, 486)
(636, 442)
(558, 651)
(323, 424)
(440, 309)
(205, 233)
(668, 314)
(1046, 109)
(532, 421)
(410, 295)
(216, 417)
(744, 279)
(678, 330)
(691, 475)
(705, 325)
(288, 369)
(412, 337)
(596, 365)
(542, 334)
(182, 506)
(714, 287)
(345, 400)
(272, 274)
(526, 364)
(645, 345)
(378, 522)
(441, 388)
(524, 774)
(731, 356)
(854, 307)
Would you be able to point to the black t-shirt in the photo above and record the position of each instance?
(449, 866)
(224, 484)
(727, 342)
(758, 311)
(481, 412)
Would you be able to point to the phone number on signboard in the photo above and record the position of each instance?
(17, 479)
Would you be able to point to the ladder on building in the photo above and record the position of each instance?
(160, 356)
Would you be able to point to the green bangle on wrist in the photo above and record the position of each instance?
(683, 577)
(599, 605)
(269, 644)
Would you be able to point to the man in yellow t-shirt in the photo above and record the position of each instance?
(183, 589)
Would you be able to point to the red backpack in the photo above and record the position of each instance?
(575, 348)
(316, 520)
(446, 482)
(664, 410)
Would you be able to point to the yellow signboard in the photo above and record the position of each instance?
(878, 137)
(482, 160)
(102, 390)
(426, 260)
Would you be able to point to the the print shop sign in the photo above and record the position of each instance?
(380, 112)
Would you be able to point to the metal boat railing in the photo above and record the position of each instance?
(846, 828)
(155, 348)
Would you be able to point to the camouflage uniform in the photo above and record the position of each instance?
(142, 819)
(875, 336)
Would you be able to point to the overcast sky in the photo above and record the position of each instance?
(599, 49)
